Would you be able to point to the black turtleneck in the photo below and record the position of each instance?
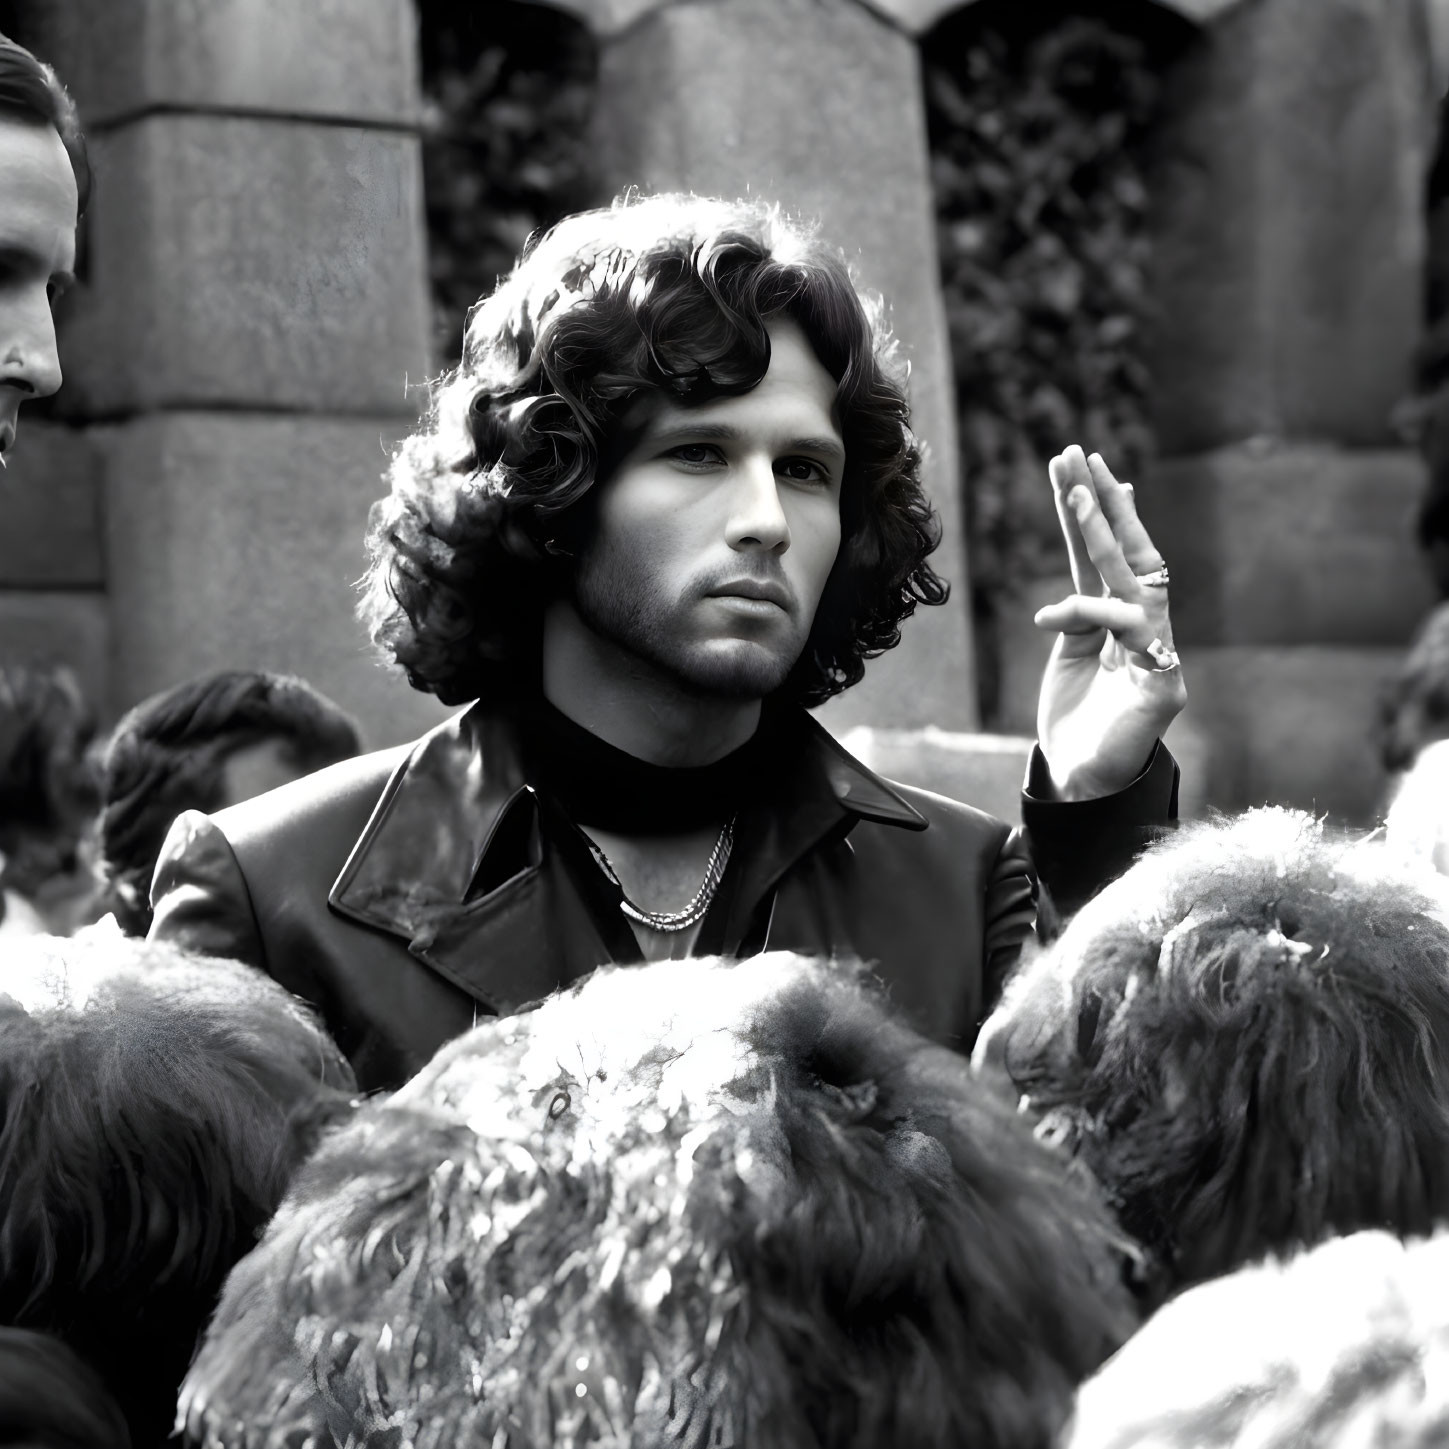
(597, 784)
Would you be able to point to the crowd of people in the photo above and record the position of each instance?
(623, 1063)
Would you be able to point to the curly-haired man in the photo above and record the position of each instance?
(669, 498)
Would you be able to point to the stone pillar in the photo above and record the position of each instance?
(253, 309)
(815, 104)
(53, 607)
(1290, 246)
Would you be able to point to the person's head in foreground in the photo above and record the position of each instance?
(203, 745)
(51, 1399)
(146, 1132)
(1245, 1037)
(47, 795)
(688, 1203)
(1343, 1347)
(676, 438)
(44, 184)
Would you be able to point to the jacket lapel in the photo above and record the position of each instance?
(453, 862)
(818, 792)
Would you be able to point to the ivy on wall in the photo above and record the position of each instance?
(1041, 204)
(508, 88)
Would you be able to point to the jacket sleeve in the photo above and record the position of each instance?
(1078, 846)
(1011, 912)
(199, 895)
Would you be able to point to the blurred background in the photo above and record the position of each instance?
(1209, 238)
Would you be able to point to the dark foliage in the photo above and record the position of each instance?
(508, 89)
(1042, 211)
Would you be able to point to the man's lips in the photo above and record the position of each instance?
(766, 591)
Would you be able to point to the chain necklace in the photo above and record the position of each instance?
(680, 920)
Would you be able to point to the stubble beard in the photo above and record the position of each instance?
(619, 606)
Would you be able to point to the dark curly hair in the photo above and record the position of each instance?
(167, 756)
(667, 294)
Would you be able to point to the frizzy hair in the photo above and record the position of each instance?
(755, 1208)
(667, 295)
(152, 1106)
(1243, 1038)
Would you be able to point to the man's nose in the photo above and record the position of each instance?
(29, 358)
(757, 517)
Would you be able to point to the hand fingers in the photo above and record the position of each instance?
(1103, 547)
(1120, 507)
(1083, 614)
(1066, 471)
(1080, 615)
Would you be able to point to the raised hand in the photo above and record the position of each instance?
(1113, 683)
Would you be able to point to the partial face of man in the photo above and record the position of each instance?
(717, 532)
(38, 205)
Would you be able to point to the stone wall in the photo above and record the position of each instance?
(1290, 244)
(252, 309)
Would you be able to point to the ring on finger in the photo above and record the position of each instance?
(1156, 579)
(1163, 658)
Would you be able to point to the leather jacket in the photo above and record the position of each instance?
(408, 893)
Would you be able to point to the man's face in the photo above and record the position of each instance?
(716, 533)
(37, 253)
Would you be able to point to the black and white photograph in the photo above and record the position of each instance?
(724, 724)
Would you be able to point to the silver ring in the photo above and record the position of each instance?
(1163, 658)
(1157, 579)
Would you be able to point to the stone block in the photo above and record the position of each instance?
(236, 542)
(764, 98)
(246, 263)
(1290, 544)
(51, 493)
(980, 769)
(1290, 234)
(1286, 726)
(343, 59)
(61, 626)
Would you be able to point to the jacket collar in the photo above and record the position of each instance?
(458, 814)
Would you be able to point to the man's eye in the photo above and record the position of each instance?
(697, 454)
(803, 470)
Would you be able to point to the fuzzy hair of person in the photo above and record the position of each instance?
(692, 1203)
(1244, 1037)
(51, 1399)
(1343, 1347)
(48, 788)
(147, 1106)
(168, 755)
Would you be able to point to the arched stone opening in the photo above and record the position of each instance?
(1042, 123)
